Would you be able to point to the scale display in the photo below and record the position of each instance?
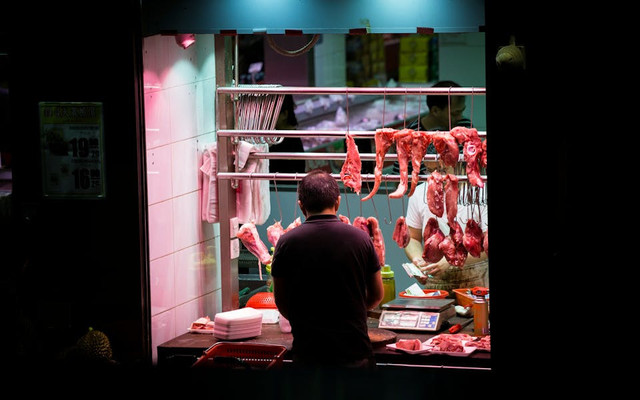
(414, 320)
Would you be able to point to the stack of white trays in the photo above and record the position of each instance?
(238, 324)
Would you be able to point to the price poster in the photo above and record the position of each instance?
(71, 139)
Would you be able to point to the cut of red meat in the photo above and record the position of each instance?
(472, 238)
(435, 194)
(378, 240)
(452, 246)
(472, 153)
(383, 141)
(483, 158)
(401, 233)
(409, 344)
(361, 223)
(296, 222)
(447, 148)
(404, 141)
(451, 191)
(274, 232)
(248, 234)
(432, 237)
(344, 219)
(420, 142)
(485, 242)
(350, 172)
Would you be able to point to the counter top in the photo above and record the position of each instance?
(183, 350)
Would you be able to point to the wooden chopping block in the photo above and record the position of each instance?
(380, 337)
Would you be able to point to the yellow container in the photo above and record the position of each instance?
(413, 74)
(415, 43)
(414, 59)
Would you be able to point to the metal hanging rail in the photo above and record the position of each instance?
(304, 133)
(288, 176)
(455, 91)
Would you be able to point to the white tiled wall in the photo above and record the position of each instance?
(179, 94)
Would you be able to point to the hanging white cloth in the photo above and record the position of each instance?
(209, 169)
(253, 200)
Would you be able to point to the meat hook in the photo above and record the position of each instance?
(275, 186)
(390, 220)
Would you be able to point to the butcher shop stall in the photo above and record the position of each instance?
(222, 176)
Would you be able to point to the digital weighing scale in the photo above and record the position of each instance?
(416, 314)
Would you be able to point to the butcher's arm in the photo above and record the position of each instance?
(415, 248)
(280, 296)
(375, 290)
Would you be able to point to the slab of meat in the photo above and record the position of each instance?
(248, 234)
(452, 246)
(401, 233)
(344, 219)
(419, 144)
(447, 147)
(451, 191)
(483, 158)
(432, 237)
(296, 222)
(473, 150)
(485, 242)
(383, 141)
(472, 239)
(472, 154)
(350, 172)
(274, 232)
(404, 141)
(378, 240)
(409, 344)
(461, 134)
(435, 193)
(361, 223)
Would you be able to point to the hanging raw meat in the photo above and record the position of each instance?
(447, 148)
(350, 173)
(274, 232)
(451, 197)
(472, 238)
(485, 242)
(383, 141)
(483, 158)
(473, 150)
(248, 234)
(472, 153)
(452, 246)
(419, 144)
(401, 233)
(435, 194)
(344, 219)
(361, 223)
(460, 133)
(378, 240)
(296, 222)
(432, 237)
(404, 141)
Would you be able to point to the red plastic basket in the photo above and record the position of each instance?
(242, 356)
(262, 300)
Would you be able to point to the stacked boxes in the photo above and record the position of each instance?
(414, 59)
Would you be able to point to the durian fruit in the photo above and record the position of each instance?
(95, 345)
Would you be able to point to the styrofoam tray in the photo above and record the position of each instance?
(240, 316)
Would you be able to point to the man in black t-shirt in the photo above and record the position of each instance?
(327, 267)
